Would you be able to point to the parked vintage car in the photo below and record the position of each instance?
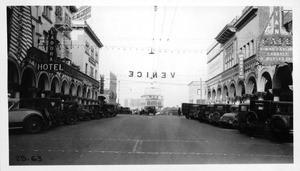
(218, 111)
(227, 119)
(76, 111)
(95, 110)
(244, 108)
(189, 110)
(200, 112)
(125, 110)
(110, 110)
(207, 111)
(33, 121)
(268, 116)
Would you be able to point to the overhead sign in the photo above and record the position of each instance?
(275, 44)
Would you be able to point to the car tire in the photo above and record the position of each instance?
(278, 125)
(87, 116)
(71, 119)
(251, 118)
(33, 124)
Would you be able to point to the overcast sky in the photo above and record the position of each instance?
(182, 35)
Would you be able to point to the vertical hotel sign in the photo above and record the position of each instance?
(51, 65)
(275, 43)
(241, 65)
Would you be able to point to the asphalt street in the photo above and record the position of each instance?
(135, 139)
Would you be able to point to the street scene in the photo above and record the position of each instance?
(155, 140)
(150, 85)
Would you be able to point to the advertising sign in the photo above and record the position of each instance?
(51, 65)
(241, 65)
(275, 44)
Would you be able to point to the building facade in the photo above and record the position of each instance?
(111, 88)
(252, 57)
(196, 92)
(40, 61)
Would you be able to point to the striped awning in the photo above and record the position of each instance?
(21, 35)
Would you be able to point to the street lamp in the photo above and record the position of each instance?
(152, 49)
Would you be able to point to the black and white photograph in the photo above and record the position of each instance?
(177, 85)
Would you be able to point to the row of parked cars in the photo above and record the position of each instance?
(258, 116)
(36, 114)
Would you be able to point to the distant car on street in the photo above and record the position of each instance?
(125, 110)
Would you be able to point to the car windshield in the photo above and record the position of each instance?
(13, 105)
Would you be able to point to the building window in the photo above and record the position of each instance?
(67, 20)
(45, 44)
(47, 13)
(96, 74)
(86, 66)
(87, 48)
(58, 13)
(97, 57)
(92, 52)
(92, 72)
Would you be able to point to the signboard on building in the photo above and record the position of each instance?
(83, 13)
(275, 44)
(50, 65)
(241, 65)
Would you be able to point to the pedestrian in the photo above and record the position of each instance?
(179, 112)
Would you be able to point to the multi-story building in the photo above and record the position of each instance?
(110, 90)
(196, 92)
(252, 56)
(152, 97)
(40, 62)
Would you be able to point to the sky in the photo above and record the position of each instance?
(178, 35)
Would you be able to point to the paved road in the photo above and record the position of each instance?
(134, 139)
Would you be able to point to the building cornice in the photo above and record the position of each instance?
(248, 13)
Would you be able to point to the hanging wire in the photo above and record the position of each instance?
(172, 25)
(162, 27)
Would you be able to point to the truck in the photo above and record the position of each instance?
(189, 110)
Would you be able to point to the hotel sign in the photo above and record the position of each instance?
(50, 65)
(275, 44)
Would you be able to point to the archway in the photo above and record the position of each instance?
(13, 79)
(209, 95)
(225, 93)
(219, 93)
(28, 83)
(213, 95)
(64, 88)
(232, 91)
(79, 91)
(283, 83)
(251, 87)
(240, 88)
(55, 89)
(43, 83)
(72, 90)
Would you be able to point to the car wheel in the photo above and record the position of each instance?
(251, 117)
(33, 124)
(87, 116)
(71, 119)
(278, 125)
